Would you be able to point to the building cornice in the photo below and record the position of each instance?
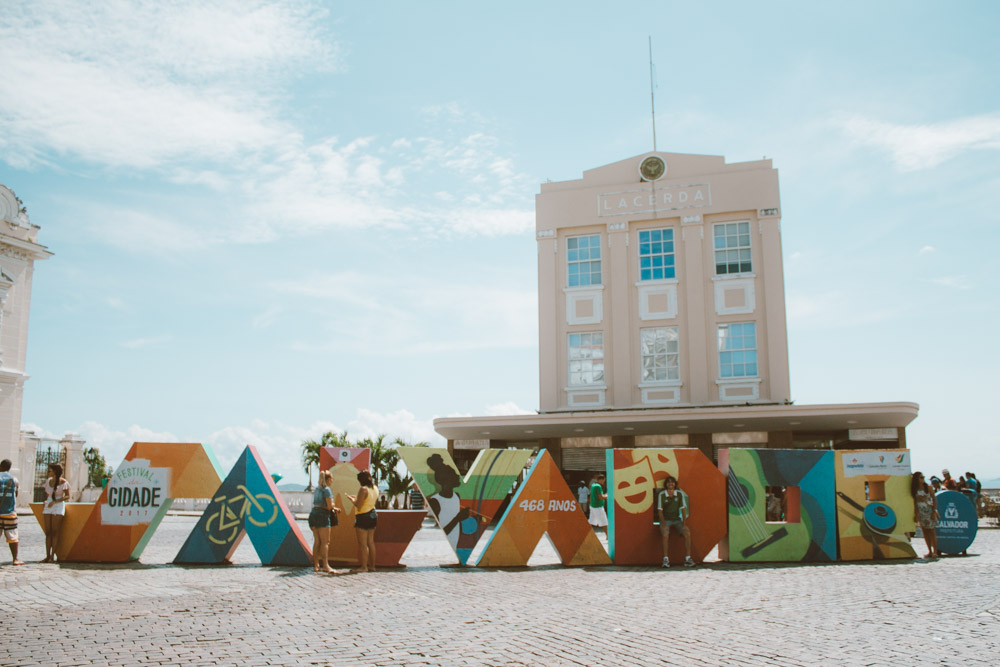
(666, 421)
(15, 247)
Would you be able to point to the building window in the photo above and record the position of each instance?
(660, 354)
(732, 248)
(656, 254)
(738, 350)
(583, 260)
(586, 358)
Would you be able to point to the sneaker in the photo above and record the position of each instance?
(688, 562)
(666, 562)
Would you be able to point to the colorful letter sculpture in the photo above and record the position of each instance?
(247, 503)
(464, 508)
(543, 505)
(395, 529)
(874, 506)
(809, 532)
(118, 526)
(635, 476)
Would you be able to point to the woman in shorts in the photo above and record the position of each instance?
(925, 512)
(365, 518)
(57, 493)
(322, 516)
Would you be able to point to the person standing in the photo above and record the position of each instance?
(673, 509)
(949, 483)
(365, 520)
(925, 512)
(416, 498)
(54, 510)
(583, 497)
(598, 516)
(321, 518)
(8, 508)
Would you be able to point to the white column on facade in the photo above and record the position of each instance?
(697, 339)
(617, 314)
(774, 309)
(548, 349)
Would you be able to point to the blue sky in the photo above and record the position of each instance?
(272, 219)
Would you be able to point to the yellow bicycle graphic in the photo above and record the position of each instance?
(231, 513)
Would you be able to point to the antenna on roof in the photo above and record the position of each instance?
(652, 98)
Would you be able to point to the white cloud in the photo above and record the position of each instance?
(139, 84)
(425, 316)
(914, 147)
(114, 445)
(153, 341)
(926, 249)
(956, 282)
(399, 424)
(506, 408)
(192, 92)
(114, 302)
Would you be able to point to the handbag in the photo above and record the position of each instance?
(334, 521)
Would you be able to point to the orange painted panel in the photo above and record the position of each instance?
(543, 504)
(117, 527)
(634, 478)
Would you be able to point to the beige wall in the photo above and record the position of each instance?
(696, 193)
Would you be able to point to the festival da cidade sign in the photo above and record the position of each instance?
(135, 494)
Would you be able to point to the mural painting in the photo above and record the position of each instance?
(118, 526)
(464, 508)
(806, 530)
(635, 476)
(246, 503)
(543, 505)
(874, 505)
(395, 529)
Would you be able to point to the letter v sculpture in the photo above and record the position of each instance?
(465, 507)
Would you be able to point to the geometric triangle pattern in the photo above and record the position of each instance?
(543, 505)
(118, 526)
(247, 503)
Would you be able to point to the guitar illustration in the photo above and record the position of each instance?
(739, 498)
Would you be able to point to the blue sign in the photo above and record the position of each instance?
(957, 522)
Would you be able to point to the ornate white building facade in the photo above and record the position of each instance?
(19, 250)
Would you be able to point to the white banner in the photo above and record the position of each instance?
(135, 493)
(890, 462)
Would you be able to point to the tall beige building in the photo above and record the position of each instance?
(661, 306)
(19, 250)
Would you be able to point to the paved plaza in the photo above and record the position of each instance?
(923, 612)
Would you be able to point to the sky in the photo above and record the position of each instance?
(274, 219)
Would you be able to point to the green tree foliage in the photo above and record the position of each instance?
(97, 467)
(385, 466)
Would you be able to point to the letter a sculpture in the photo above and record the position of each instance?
(247, 503)
(543, 504)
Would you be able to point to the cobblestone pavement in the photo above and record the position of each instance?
(943, 612)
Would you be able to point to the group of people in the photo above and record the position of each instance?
(323, 517)
(672, 511)
(967, 484)
(53, 510)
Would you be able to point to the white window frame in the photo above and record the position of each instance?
(599, 260)
(676, 353)
(737, 248)
(754, 349)
(672, 253)
(581, 361)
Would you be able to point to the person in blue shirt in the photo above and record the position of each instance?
(8, 508)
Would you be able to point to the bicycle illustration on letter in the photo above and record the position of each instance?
(260, 510)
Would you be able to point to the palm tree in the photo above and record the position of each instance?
(310, 458)
(311, 450)
(399, 484)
